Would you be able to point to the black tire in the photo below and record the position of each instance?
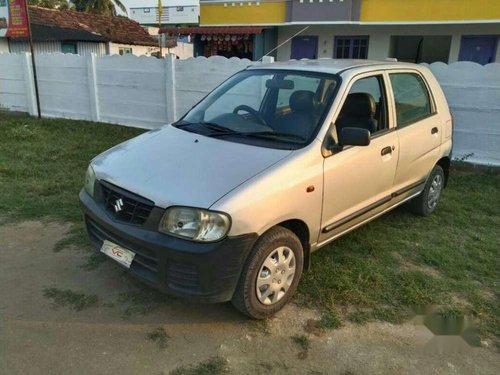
(421, 204)
(245, 298)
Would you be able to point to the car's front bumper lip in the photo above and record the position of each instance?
(203, 272)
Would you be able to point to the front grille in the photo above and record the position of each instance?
(125, 206)
(182, 276)
(145, 261)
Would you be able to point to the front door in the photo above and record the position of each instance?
(480, 49)
(359, 179)
(304, 47)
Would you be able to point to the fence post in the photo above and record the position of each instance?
(95, 114)
(29, 85)
(170, 87)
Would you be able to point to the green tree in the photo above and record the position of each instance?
(53, 4)
(104, 7)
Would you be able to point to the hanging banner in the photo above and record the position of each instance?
(18, 19)
(4, 17)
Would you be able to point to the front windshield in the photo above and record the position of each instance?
(271, 108)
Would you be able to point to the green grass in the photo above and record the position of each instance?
(329, 320)
(42, 165)
(68, 298)
(160, 337)
(385, 270)
(93, 261)
(302, 341)
(213, 366)
(141, 300)
(392, 267)
(43, 162)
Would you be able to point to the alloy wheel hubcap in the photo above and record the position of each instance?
(435, 191)
(275, 276)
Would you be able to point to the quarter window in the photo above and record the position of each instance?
(411, 98)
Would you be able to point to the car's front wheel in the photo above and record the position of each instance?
(271, 274)
(427, 201)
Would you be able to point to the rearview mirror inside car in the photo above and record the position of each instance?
(281, 84)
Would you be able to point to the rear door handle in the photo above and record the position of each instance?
(386, 150)
(434, 130)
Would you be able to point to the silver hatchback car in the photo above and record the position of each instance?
(228, 203)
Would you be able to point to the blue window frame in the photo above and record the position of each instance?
(350, 47)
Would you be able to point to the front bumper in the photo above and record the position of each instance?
(201, 272)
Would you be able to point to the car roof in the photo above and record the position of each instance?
(334, 66)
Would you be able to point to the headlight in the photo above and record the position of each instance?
(89, 181)
(195, 224)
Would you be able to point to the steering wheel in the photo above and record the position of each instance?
(253, 112)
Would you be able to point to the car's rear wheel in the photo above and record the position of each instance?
(428, 200)
(271, 274)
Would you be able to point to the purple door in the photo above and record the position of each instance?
(480, 49)
(304, 47)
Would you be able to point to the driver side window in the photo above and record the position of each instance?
(365, 106)
(249, 92)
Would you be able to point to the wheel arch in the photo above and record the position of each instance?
(301, 230)
(445, 163)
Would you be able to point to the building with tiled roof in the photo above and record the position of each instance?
(81, 33)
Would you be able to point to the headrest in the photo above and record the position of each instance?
(359, 104)
(302, 101)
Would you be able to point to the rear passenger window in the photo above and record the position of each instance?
(411, 98)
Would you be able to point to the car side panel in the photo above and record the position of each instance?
(419, 151)
(357, 179)
(278, 194)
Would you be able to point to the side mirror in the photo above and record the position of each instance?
(354, 137)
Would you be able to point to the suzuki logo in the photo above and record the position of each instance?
(118, 205)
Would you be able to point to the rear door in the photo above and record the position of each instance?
(418, 127)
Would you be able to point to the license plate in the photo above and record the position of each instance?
(118, 253)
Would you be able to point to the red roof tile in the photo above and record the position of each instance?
(114, 29)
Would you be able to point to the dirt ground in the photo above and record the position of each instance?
(112, 334)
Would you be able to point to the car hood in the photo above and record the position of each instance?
(172, 167)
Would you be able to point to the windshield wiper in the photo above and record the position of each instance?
(263, 134)
(220, 131)
(209, 125)
(272, 134)
(218, 128)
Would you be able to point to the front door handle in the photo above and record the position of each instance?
(386, 150)
(434, 130)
